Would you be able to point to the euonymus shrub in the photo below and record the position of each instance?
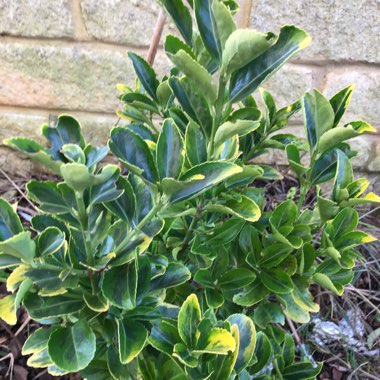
(169, 265)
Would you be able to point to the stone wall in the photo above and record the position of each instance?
(66, 56)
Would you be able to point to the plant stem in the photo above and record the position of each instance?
(156, 37)
(83, 219)
(303, 192)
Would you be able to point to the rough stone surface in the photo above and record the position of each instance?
(341, 30)
(365, 103)
(96, 128)
(63, 77)
(290, 83)
(36, 18)
(129, 22)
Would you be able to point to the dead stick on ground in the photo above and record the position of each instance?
(17, 188)
(156, 37)
(245, 13)
(294, 330)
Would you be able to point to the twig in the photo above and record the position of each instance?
(156, 37)
(245, 13)
(27, 320)
(17, 188)
(294, 330)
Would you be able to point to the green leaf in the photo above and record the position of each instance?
(251, 76)
(146, 74)
(35, 151)
(48, 196)
(244, 208)
(247, 340)
(263, 352)
(276, 280)
(345, 221)
(67, 131)
(193, 102)
(236, 278)
(10, 223)
(292, 309)
(215, 24)
(225, 232)
(215, 341)
(198, 179)
(238, 127)
(268, 312)
(189, 318)
(170, 151)
(224, 364)
(48, 307)
(184, 355)
(224, 24)
(175, 274)
(134, 153)
(325, 167)
(214, 298)
(120, 285)
(195, 142)
(164, 336)
(340, 102)
(196, 73)
(302, 296)
(73, 153)
(132, 337)
(50, 241)
(334, 136)
(20, 246)
(242, 47)
(181, 17)
(301, 371)
(8, 309)
(318, 116)
(38, 340)
(324, 281)
(72, 348)
(251, 295)
(124, 206)
(76, 176)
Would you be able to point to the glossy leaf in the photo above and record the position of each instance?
(181, 17)
(318, 116)
(196, 73)
(131, 339)
(216, 341)
(236, 278)
(193, 102)
(340, 102)
(198, 179)
(242, 47)
(10, 223)
(170, 151)
(133, 151)
(120, 285)
(247, 340)
(189, 318)
(72, 348)
(251, 76)
(145, 73)
(195, 142)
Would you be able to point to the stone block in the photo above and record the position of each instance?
(365, 102)
(65, 76)
(341, 30)
(128, 22)
(38, 18)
